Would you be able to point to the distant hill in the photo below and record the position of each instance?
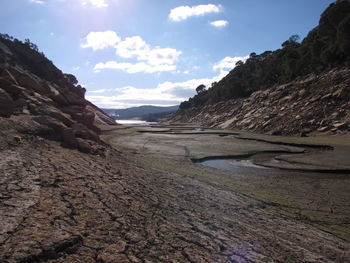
(145, 112)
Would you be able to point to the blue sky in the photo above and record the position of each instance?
(136, 52)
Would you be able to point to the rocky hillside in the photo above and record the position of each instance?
(316, 103)
(38, 97)
(288, 90)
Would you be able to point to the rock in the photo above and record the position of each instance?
(302, 92)
(304, 132)
(84, 145)
(25, 80)
(7, 78)
(110, 258)
(327, 96)
(340, 125)
(57, 114)
(133, 237)
(118, 247)
(323, 129)
(276, 132)
(82, 131)
(68, 138)
(7, 105)
(31, 85)
(51, 123)
(341, 93)
(82, 115)
(74, 99)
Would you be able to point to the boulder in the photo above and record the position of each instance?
(82, 115)
(80, 130)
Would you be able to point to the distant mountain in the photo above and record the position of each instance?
(142, 112)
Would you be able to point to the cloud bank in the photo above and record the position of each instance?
(165, 94)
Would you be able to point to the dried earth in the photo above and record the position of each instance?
(144, 203)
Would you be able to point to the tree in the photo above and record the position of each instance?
(31, 45)
(292, 41)
(71, 79)
(200, 88)
(239, 63)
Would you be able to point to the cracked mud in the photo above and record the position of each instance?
(144, 203)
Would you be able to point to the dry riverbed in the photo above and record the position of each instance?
(147, 201)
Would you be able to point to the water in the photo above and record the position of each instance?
(236, 165)
(134, 122)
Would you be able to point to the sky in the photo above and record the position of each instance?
(129, 53)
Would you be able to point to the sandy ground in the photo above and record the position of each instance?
(147, 202)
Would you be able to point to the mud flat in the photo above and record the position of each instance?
(306, 182)
(147, 201)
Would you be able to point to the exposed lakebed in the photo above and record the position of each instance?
(302, 178)
(238, 151)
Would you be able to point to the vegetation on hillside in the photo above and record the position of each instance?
(326, 46)
(27, 55)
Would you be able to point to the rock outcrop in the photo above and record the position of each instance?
(32, 86)
(313, 104)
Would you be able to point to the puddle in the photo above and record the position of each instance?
(235, 165)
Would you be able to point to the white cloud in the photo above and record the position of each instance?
(228, 63)
(100, 91)
(76, 68)
(160, 56)
(134, 68)
(219, 23)
(37, 1)
(132, 46)
(190, 85)
(96, 3)
(184, 12)
(101, 40)
(136, 47)
(165, 94)
(152, 59)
